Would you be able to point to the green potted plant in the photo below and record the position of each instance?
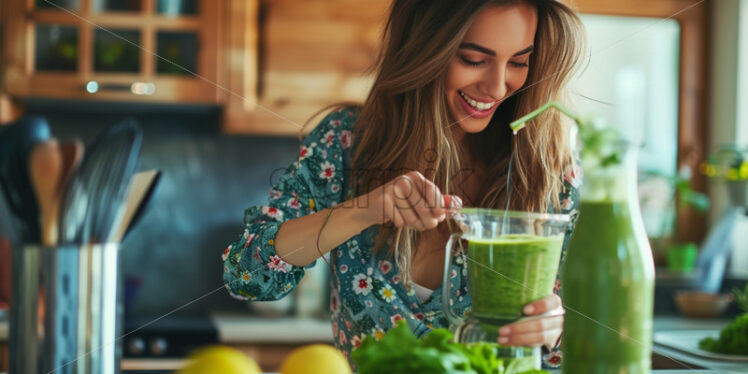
(730, 164)
(674, 191)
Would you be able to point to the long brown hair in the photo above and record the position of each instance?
(404, 122)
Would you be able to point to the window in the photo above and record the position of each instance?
(667, 21)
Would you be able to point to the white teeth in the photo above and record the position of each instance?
(476, 104)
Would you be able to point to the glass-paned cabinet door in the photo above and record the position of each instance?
(63, 45)
(117, 5)
(56, 47)
(116, 51)
(71, 5)
(176, 7)
(177, 52)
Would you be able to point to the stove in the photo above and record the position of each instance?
(170, 337)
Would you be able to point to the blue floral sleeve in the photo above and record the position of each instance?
(252, 270)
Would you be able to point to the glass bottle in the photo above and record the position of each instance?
(607, 277)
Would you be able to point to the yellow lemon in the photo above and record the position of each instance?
(315, 359)
(219, 359)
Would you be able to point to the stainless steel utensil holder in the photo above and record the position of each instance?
(65, 314)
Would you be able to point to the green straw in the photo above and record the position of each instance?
(520, 123)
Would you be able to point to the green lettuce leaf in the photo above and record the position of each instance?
(399, 351)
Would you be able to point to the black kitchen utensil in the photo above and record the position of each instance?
(126, 147)
(93, 201)
(144, 204)
(141, 190)
(16, 142)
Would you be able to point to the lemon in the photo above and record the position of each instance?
(315, 359)
(219, 359)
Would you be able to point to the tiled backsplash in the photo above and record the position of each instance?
(208, 180)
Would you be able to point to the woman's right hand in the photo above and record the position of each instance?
(410, 200)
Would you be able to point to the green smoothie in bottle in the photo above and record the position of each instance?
(608, 276)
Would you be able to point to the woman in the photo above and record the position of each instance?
(369, 183)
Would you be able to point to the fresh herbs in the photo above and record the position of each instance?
(733, 339)
(602, 145)
(399, 351)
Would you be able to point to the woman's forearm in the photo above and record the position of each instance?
(296, 240)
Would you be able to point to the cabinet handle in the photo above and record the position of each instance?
(136, 88)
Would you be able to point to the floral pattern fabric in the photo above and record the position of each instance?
(367, 294)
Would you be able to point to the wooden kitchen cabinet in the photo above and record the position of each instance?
(128, 50)
(271, 64)
(291, 58)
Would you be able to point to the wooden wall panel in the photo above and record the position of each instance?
(313, 53)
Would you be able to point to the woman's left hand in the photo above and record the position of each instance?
(544, 331)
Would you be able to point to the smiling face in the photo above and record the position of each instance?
(491, 63)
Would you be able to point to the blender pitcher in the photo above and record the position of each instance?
(511, 259)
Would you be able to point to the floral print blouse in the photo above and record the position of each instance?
(367, 295)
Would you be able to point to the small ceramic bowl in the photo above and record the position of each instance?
(699, 304)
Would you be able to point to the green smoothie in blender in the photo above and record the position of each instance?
(511, 259)
(514, 270)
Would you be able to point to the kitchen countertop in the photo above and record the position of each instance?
(664, 323)
(240, 328)
(245, 329)
(653, 371)
(719, 366)
(680, 323)
(691, 371)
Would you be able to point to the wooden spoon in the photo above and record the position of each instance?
(72, 154)
(45, 165)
